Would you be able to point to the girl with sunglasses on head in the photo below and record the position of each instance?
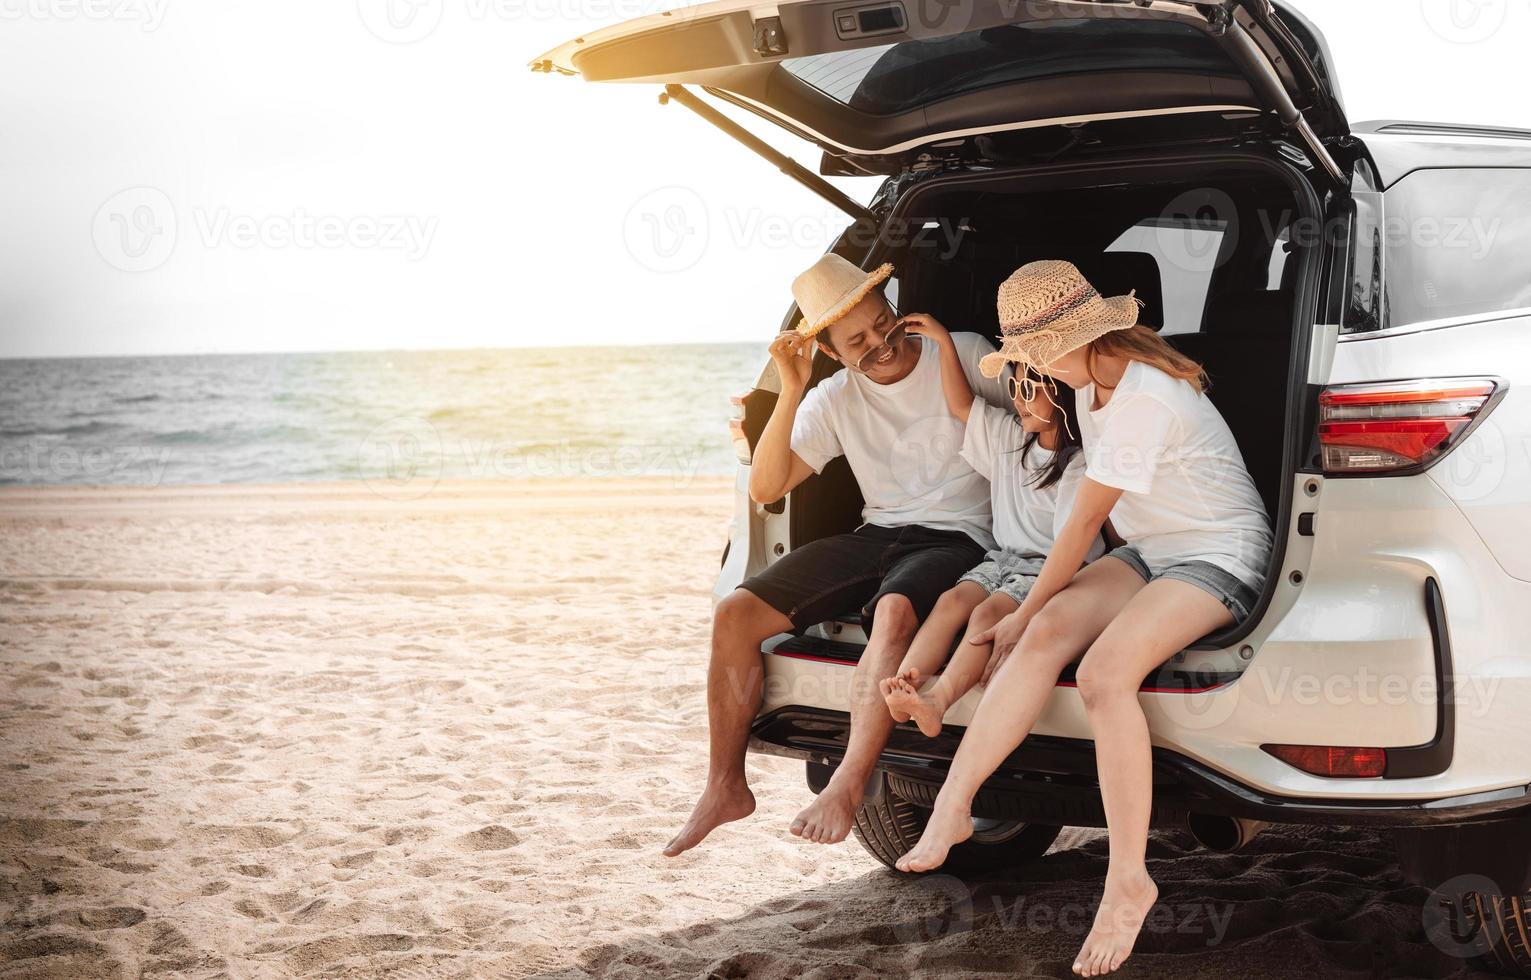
(1034, 467)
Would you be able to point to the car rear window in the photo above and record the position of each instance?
(1186, 253)
(895, 78)
(1454, 243)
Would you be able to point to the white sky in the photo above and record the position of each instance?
(466, 202)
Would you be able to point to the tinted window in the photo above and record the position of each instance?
(1457, 243)
(899, 77)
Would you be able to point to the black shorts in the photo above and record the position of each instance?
(847, 573)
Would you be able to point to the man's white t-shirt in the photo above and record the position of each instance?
(903, 443)
(1027, 519)
(1188, 495)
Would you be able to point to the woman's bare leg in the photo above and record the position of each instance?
(1159, 622)
(933, 642)
(1016, 695)
(961, 675)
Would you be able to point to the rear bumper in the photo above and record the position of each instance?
(1053, 780)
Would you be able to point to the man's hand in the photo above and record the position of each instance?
(928, 326)
(1004, 634)
(791, 353)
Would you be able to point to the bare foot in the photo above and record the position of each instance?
(828, 819)
(1122, 910)
(718, 806)
(923, 709)
(888, 686)
(947, 828)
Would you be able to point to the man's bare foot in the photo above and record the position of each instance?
(947, 828)
(718, 806)
(887, 686)
(1117, 923)
(828, 819)
(904, 698)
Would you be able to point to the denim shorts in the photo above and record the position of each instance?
(1238, 597)
(850, 573)
(1012, 573)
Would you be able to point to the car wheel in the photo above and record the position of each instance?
(890, 825)
(1501, 926)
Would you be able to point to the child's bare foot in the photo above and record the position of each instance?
(925, 710)
(1117, 923)
(947, 828)
(887, 686)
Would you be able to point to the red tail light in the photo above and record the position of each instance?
(1332, 761)
(1402, 425)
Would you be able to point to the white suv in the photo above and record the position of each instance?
(1361, 298)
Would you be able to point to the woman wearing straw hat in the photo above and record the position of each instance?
(1163, 465)
(927, 521)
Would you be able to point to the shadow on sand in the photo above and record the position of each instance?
(1296, 903)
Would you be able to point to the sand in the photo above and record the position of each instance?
(318, 731)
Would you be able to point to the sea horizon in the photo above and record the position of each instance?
(316, 416)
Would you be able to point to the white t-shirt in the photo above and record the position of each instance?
(903, 443)
(1188, 495)
(1027, 519)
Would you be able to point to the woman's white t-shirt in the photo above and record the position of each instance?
(902, 441)
(1187, 494)
(1027, 519)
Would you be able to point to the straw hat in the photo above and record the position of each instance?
(831, 289)
(1047, 309)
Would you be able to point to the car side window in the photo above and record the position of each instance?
(1365, 306)
(1187, 254)
(1456, 243)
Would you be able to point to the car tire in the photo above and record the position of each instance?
(1502, 925)
(888, 826)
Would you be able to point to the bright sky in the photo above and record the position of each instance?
(233, 175)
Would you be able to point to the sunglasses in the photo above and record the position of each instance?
(890, 342)
(1025, 387)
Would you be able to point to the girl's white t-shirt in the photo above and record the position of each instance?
(1187, 494)
(1027, 519)
(903, 443)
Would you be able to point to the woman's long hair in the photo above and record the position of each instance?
(1139, 343)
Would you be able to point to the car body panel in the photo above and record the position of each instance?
(1488, 477)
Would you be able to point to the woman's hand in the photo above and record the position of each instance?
(927, 326)
(794, 363)
(1004, 634)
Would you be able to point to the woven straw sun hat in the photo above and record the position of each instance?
(1047, 309)
(831, 289)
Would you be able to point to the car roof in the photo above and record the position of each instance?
(1398, 147)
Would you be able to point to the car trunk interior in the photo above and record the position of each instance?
(1204, 250)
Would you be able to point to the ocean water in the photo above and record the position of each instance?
(403, 419)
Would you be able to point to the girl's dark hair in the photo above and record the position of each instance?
(1067, 422)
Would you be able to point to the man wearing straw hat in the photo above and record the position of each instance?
(927, 521)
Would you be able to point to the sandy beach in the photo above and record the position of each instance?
(313, 730)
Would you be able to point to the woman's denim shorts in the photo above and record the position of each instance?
(1238, 597)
